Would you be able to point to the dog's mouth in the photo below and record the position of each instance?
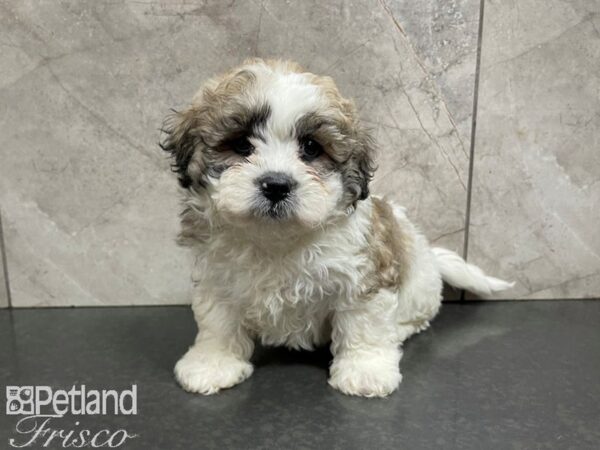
(280, 211)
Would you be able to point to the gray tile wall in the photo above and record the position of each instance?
(90, 208)
(536, 187)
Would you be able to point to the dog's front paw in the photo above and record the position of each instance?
(365, 377)
(208, 373)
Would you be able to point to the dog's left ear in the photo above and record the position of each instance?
(361, 165)
(180, 140)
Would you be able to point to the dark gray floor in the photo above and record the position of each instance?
(485, 376)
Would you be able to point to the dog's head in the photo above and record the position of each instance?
(268, 142)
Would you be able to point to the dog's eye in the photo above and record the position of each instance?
(241, 146)
(311, 149)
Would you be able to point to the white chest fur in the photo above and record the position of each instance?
(286, 298)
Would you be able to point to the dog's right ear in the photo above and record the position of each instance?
(180, 138)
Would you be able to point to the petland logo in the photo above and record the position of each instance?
(42, 406)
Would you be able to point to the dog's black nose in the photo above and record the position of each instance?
(276, 186)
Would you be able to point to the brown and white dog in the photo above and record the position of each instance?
(290, 248)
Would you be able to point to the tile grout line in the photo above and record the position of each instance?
(4, 264)
(473, 135)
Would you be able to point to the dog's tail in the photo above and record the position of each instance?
(458, 273)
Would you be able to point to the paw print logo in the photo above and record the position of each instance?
(19, 400)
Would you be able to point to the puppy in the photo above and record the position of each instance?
(290, 248)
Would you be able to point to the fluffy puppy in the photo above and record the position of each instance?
(290, 248)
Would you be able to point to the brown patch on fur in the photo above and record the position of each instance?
(278, 64)
(356, 148)
(194, 228)
(390, 248)
(348, 145)
(343, 107)
(197, 137)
